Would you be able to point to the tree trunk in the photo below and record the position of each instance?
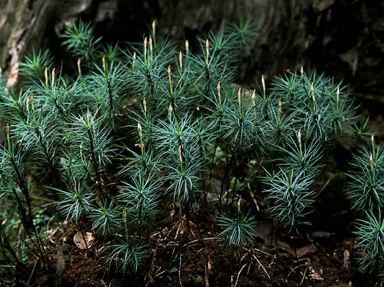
(23, 24)
(281, 25)
(340, 37)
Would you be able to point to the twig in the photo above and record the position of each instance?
(178, 229)
(198, 240)
(150, 272)
(238, 274)
(261, 265)
(32, 272)
(157, 274)
(206, 269)
(258, 250)
(104, 284)
(179, 271)
(253, 197)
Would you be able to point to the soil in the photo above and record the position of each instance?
(323, 256)
(194, 257)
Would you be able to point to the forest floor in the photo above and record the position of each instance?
(182, 255)
(324, 257)
(190, 254)
(196, 258)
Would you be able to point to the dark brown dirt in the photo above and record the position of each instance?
(179, 258)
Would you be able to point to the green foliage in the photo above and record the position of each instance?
(365, 191)
(301, 157)
(141, 199)
(238, 231)
(362, 132)
(78, 39)
(323, 109)
(119, 132)
(365, 188)
(291, 196)
(34, 66)
(106, 219)
(77, 201)
(370, 232)
(127, 255)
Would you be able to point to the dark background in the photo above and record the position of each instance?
(343, 38)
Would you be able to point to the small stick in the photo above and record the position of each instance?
(206, 279)
(261, 265)
(238, 274)
(198, 240)
(179, 271)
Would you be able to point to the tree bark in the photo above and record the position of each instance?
(23, 24)
(342, 38)
(281, 26)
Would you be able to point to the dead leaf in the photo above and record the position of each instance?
(265, 231)
(79, 237)
(314, 275)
